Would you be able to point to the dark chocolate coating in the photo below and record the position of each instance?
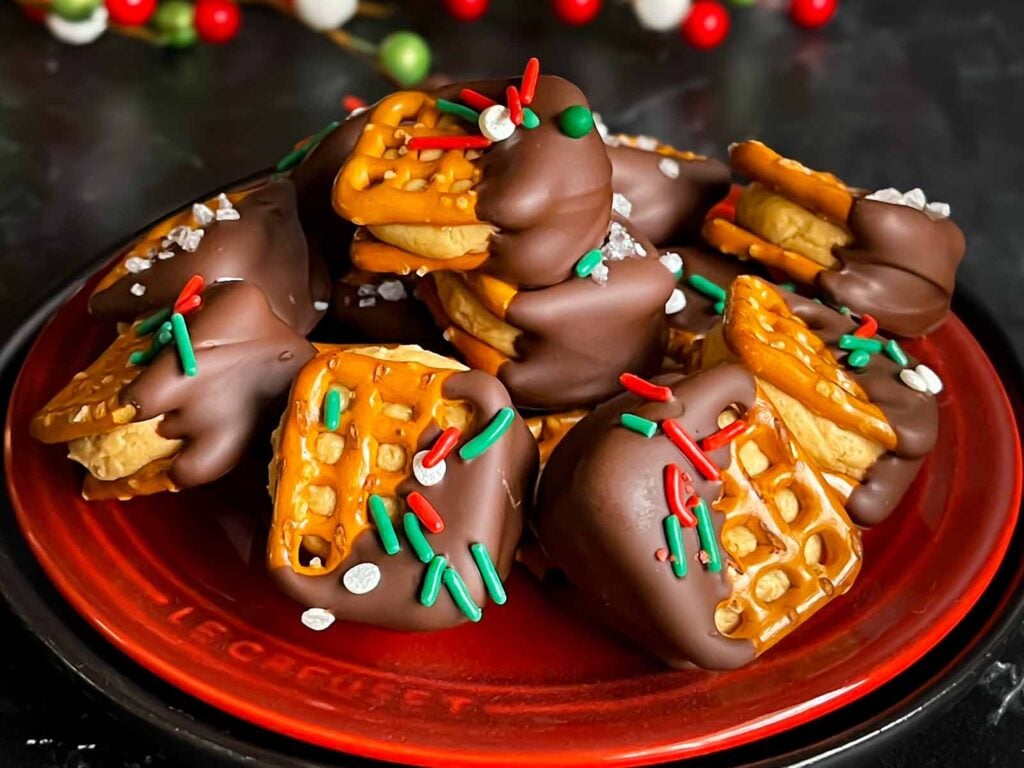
(699, 316)
(667, 210)
(480, 501)
(599, 513)
(406, 321)
(578, 336)
(914, 416)
(246, 358)
(901, 267)
(265, 247)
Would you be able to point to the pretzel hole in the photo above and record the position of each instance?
(398, 411)
(391, 457)
(728, 416)
(739, 540)
(814, 550)
(753, 459)
(772, 585)
(321, 500)
(329, 447)
(728, 618)
(312, 546)
(788, 504)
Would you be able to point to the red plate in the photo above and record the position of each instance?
(177, 583)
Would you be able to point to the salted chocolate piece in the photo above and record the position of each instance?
(670, 192)
(900, 267)
(264, 246)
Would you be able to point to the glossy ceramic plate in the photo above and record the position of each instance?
(177, 583)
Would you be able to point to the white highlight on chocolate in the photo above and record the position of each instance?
(915, 199)
(317, 619)
(496, 123)
(673, 262)
(137, 289)
(361, 578)
(914, 380)
(202, 214)
(669, 167)
(136, 264)
(621, 205)
(676, 302)
(392, 290)
(427, 476)
(930, 378)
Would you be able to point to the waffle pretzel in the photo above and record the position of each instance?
(791, 546)
(321, 480)
(653, 145)
(384, 182)
(779, 348)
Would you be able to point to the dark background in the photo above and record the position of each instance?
(96, 142)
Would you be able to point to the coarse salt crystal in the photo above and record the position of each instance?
(673, 262)
(320, 306)
(137, 289)
(392, 290)
(676, 302)
(202, 213)
(192, 241)
(600, 274)
(669, 167)
(223, 201)
(228, 214)
(371, 302)
(136, 264)
(621, 205)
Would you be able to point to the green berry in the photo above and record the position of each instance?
(74, 10)
(576, 121)
(174, 16)
(405, 57)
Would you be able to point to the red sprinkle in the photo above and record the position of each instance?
(661, 554)
(515, 107)
(674, 496)
(690, 450)
(425, 511)
(193, 287)
(449, 142)
(868, 327)
(352, 103)
(726, 209)
(475, 99)
(528, 86)
(644, 388)
(190, 304)
(723, 436)
(442, 447)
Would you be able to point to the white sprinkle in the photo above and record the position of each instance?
(367, 302)
(136, 264)
(366, 289)
(496, 123)
(621, 205)
(669, 167)
(361, 578)
(316, 562)
(673, 262)
(425, 476)
(638, 249)
(930, 378)
(914, 380)
(915, 199)
(600, 274)
(228, 214)
(646, 142)
(392, 290)
(320, 306)
(164, 255)
(202, 214)
(223, 201)
(191, 243)
(137, 289)
(676, 302)
(317, 619)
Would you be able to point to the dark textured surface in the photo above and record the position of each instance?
(96, 142)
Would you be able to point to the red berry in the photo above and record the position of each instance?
(217, 21)
(131, 13)
(576, 12)
(467, 10)
(812, 13)
(707, 25)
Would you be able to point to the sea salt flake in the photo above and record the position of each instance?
(361, 578)
(191, 244)
(621, 205)
(676, 302)
(137, 289)
(317, 619)
(600, 274)
(136, 264)
(673, 262)
(619, 244)
(202, 214)
(371, 302)
(164, 255)
(320, 306)
(648, 143)
(669, 167)
(228, 214)
(392, 290)
(223, 201)
(915, 198)
(638, 249)
(366, 289)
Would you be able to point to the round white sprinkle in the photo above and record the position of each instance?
(391, 290)
(930, 378)
(320, 306)
(362, 578)
(136, 264)
(202, 214)
(425, 476)
(669, 167)
(496, 123)
(914, 380)
(317, 619)
(676, 302)
(137, 289)
(673, 262)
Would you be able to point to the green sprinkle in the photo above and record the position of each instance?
(895, 351)
(791, 287)
(844, 310)
(489, 435)
(706, 531)
(848, 341)
(490, 574)
(858, 358)
(153, 322)
(530, 119)
(719, 307)
(185, 351)
(588, 263)
(386, 531)
(414, 534)
(297, 155)
(459, 110)
(708, 288)
(674, 534)
(460, 594)
(576, 121)
(332, 410)
(639, 424)
(432, 581)
(160, 340)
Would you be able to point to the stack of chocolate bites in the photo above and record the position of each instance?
(677, 386)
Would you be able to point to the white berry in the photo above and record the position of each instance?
(661, 15)
(325, 15)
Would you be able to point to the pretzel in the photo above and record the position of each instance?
(374, 256)
(653, 145)
(777, 347)
(321, 480)
(791, 546)
(816, 191)
(384, 182)
(734, 240)
(152, 478)
(548, 430)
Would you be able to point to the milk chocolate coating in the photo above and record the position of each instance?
(667, 210)
(265, 247)
(578, 336)
(480, 501)
(914, 416)
(246, 358)
(599, 513)
(699, 316)
(406, 321)
(901, 267)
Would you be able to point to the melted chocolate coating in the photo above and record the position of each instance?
(480, 501)
(265, 247)
(246, 358)
(667, 210)
(578, 336)
(901, 267)
(599, 513)
(699, 316)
